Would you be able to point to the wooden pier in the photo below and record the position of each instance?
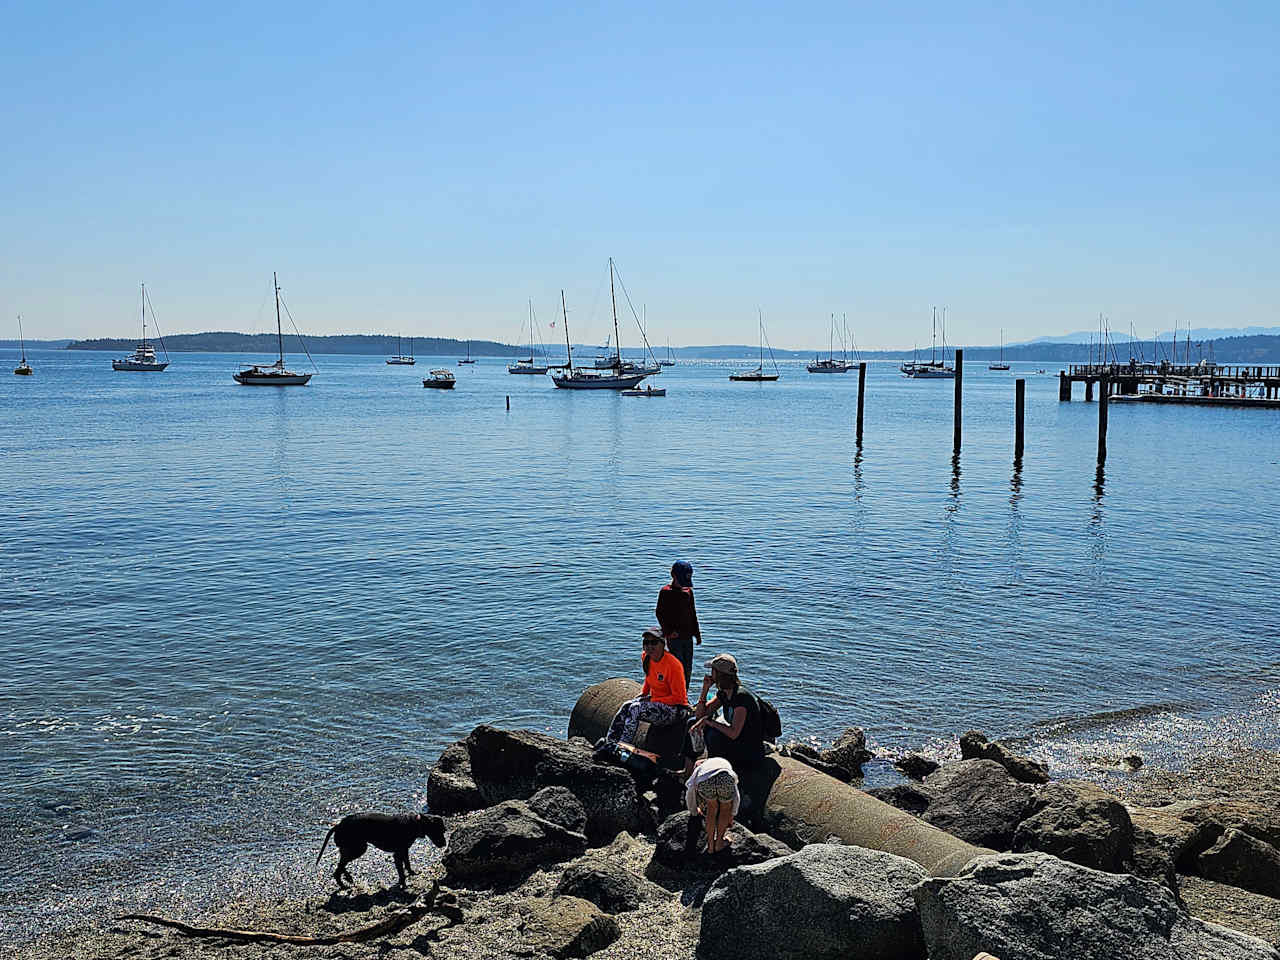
(1203, 383)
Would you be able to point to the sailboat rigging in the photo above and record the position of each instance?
(531, 365)
(934, 369)
(275, 374)
(758, 375)
(400, 359)
(144, 359)
(999, 365)
(578, 378)
(831, 364)
(23, 369)
(467, 359)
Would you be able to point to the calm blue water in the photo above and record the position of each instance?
(231, 613)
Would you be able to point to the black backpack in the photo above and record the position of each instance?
(770, 722)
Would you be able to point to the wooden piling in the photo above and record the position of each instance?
(955, 433)
(1019, 406)
(862, 393)
(1088, 391)
(1103, 392)
(1064, 387)
(508, 401)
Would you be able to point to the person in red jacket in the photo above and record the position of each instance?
(678, 617)
(661, 697)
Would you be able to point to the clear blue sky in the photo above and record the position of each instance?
(426, 169)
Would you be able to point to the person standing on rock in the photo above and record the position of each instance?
(712, 791)
(661, 697)
(678, 617)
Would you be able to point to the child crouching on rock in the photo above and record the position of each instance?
(661, 698)
(713, 791)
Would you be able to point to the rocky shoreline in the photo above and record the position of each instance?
(552, 854)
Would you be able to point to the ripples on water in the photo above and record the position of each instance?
(232, 614)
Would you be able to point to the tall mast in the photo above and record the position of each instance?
(760, 333)
(617, 341)
(22, 343)
(933, 350)
(567, 348)
(531, 330)
(144, 314)
(279, 335)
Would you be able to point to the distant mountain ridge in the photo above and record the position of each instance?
(1198, 333)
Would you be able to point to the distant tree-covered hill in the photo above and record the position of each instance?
(370, 344)
(1260, 349)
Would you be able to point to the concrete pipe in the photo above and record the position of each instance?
(823, 805)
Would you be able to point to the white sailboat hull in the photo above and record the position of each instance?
(928, 373)
(584, 381)
(525, 368)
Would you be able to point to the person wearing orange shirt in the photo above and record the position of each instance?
(661, 697)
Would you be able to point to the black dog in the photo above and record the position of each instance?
(394, 833)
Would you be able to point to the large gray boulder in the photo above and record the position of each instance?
(1243, 861)
(1079, 822)
(911, 797)
(450, 786)
(849, 752)
(502, 843)
(515, 764)
(978, 801)
(566, 927)
(561, 806)
(681, 849)
(974, 745)
(609, 885)
(1163, 843)
(825, 902)
(1034, 906)
(813, 758)
(1257, 817)
(915, 766)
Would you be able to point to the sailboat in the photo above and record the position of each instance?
(758, 375)
(531, 365)
(670, 361)
(831, 364)
(1001, 365)
(143, 359)
(400, 359)
(273, 375)
(580, 378)
(467, 359)
(934, 369)
(23, 369)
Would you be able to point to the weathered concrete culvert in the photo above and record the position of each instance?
(824, 805)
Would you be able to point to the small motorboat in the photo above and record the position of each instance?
(645, 392)
(440, 380)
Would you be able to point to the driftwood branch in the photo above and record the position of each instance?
(392, 923)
